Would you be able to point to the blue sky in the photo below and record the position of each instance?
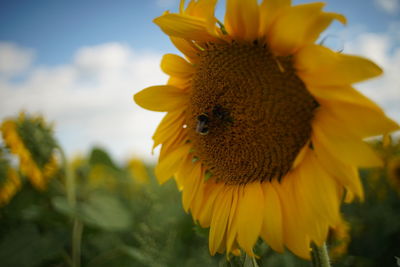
(79, 62)
(55, 29)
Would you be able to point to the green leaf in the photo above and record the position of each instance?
(105, 211)
(100, 156)
(61, 205)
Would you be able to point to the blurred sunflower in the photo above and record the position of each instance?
(341, 239)
(101, 175)
(31, 140)
(9, 186)
(10, 182)
(263, 132)
(138, 170)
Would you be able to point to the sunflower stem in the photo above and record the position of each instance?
(320, 257)
(77, 228)
(76, 242)
(249, 261)
(69, 179)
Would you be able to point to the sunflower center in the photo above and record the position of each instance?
(249, 114)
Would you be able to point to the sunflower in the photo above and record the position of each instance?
(10, 182)
(263, 132)
(31, 140)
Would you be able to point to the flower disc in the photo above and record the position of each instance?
(258, 113)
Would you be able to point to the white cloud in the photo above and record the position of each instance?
(14, 59)
(389, 6)
(90, 99)
(383, 49)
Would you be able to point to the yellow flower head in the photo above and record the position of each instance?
(263, 131)
(31, 140)
(10, 182)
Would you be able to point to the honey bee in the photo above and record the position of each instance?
(202, 124)
(219, 116)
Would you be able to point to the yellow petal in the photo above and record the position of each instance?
(288, 32)
(184, 171)
(222, 246)
(271, 230)
(242, 19)
(167, 167)
(345, 94)
(320, 189)
(203, 9)
(320, 234)
(168, 127)
(190, 185)
(196, 205)
(182, 83)
(177, 139)
(186, 47)
(300, 156)
(344, 173)
(310, 220)
(233, 219)
(250, 216)
(170, 139)
(342, 144)
(269, 11)
(161, 98)
(294, 229)
(183, 26)
(174, 65)
(211, 191)
(351, 117)
(182, 6)
(320, 66)
(219, 220)
(320, 23)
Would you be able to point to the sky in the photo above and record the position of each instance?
(79, 63)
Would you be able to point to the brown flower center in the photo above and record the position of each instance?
(249, 114)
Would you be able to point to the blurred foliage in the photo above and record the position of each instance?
(127, 219)
(375, 223)
(125, 222)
